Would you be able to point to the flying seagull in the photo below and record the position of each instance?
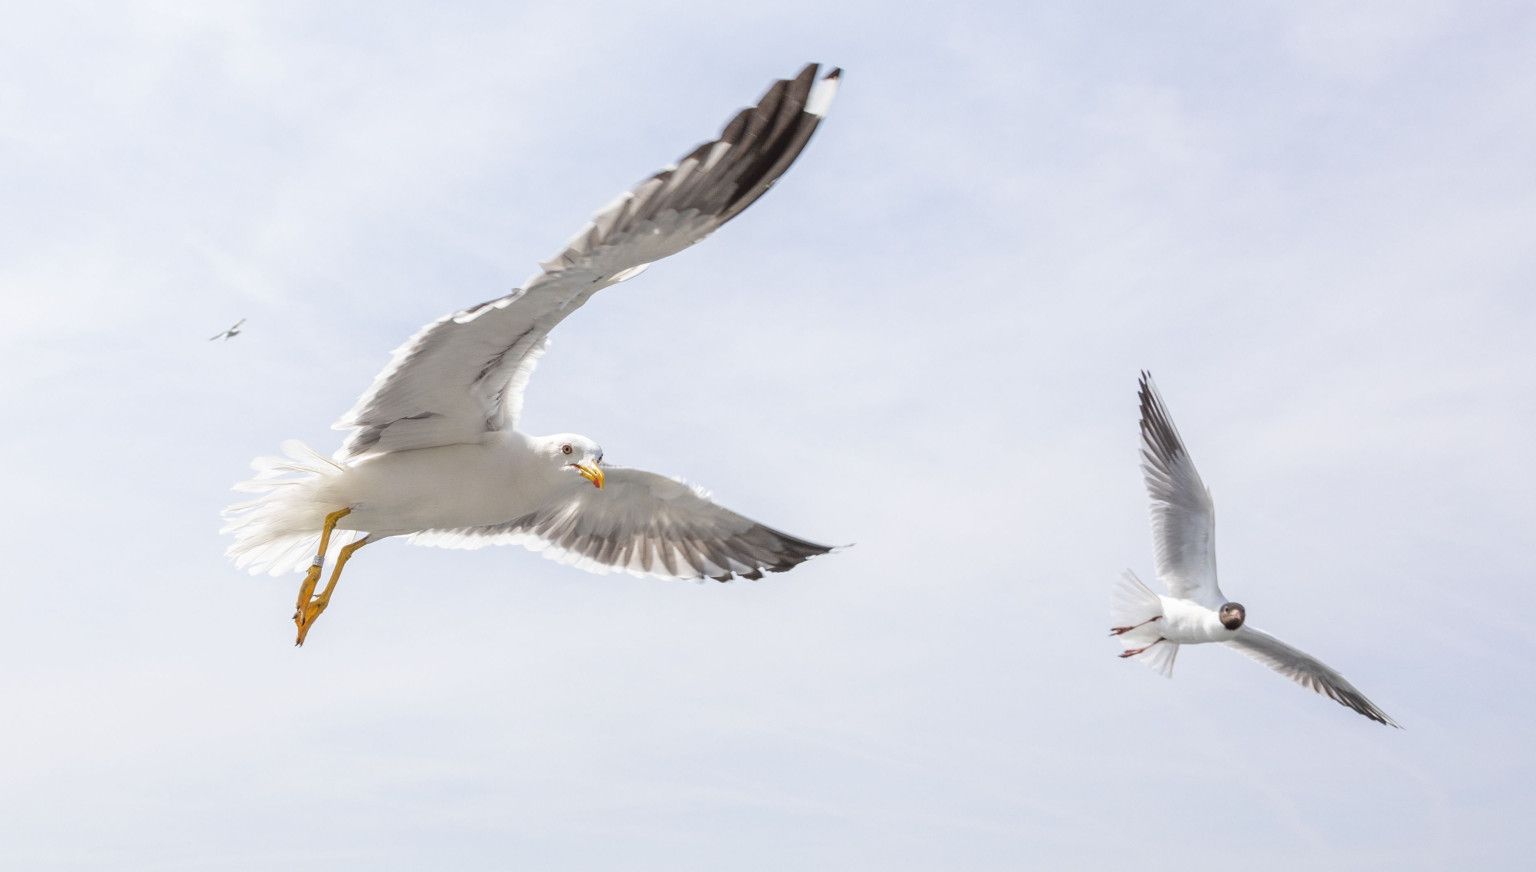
(1152, 627)
(231, 333)
(435, 452)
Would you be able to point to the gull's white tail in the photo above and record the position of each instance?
(1133, 604)
(279, 530)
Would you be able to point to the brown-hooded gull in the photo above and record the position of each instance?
(1152, 627)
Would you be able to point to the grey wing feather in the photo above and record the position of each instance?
(646, 525)
(1306, 671)
(464, 374)
(1183, 516)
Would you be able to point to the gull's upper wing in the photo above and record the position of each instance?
(225, 334)
(1183, 516)
(644, 524)
(1306, 671)
(464, 374)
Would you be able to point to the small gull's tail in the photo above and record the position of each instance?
(279, 530)
(1133, 604)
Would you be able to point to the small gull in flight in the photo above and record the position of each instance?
(435, 452)
(1152, 627)
(231, 333)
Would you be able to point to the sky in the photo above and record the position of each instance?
(1312, 224)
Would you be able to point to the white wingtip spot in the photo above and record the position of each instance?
(820, 98)
(626, 275)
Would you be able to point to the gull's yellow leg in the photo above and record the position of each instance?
(312, 577)
(310, 611)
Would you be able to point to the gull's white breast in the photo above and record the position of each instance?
(449, 486)
(1190, 623)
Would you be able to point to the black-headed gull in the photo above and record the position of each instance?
(1152, 627)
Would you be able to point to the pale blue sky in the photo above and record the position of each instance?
(1313, 226)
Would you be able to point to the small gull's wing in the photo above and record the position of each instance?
(644, 524)
(225, 334)
(464, 374)
(1183, 516)
(1306, 671)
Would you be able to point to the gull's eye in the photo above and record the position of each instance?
(566, 448)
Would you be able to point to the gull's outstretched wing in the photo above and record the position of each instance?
(1306, 671)
(1183, 516)
(464, 374)
(644, 524)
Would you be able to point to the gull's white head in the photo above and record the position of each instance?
(1232, 615)
(574, 454)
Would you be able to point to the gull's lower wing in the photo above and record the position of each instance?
(643, 524)
(1183, 516)
(464, 374)
(1306, 671)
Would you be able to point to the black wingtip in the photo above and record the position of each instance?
(837, 73)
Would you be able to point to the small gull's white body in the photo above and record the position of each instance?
(1152, 627)
(435, 452)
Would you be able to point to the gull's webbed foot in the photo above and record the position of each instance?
(304, 612)
(308, 613)
(312, 604)
(307, 587)
(309, 606)
(1132, 652)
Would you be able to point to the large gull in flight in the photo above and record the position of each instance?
(435, 452)
(1152, 627)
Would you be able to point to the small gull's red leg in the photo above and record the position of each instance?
(1121, 631)
(1132, 652)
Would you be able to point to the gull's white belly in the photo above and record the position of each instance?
(1190, 623)
(436, 488)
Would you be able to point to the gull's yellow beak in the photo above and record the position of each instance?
(591, 472)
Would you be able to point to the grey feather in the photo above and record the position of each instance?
(1307, 671)
(469, 369)
(1183, 515)
(644, 524)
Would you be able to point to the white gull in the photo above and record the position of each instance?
(435, 452)
(1152, 627)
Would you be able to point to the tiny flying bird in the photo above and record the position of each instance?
(231, 333)
(1152, 627)
(435, 452)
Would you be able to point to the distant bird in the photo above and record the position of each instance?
(435, 452)
(231, 333)
(1152, 627)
